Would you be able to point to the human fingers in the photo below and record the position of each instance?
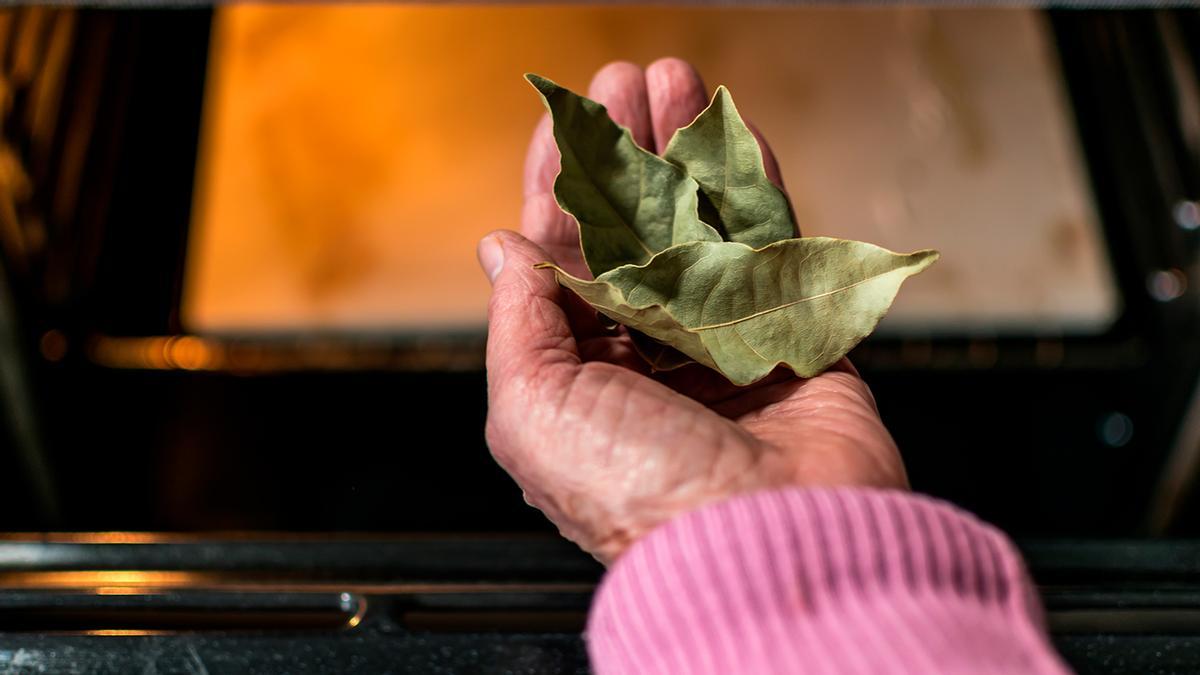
(545, 224)
(771, 166)
(529, 335)
(676, 94)
(769, 162)
(713, 389)
(541, 159)
(614, 348)
(621, 87)
(542, 221)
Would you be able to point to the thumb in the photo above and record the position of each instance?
(528, 328)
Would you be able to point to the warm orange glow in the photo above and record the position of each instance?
(119, 590)
(125, 632)
(109, 579)
(188, 352)
(140, 582)
(93, 537)
(352, 155)
(117, 538)
(184, 352)
(360, 611)
(148, 352)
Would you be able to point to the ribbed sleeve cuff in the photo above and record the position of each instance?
(820, 581)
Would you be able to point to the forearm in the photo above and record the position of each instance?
(820, 580)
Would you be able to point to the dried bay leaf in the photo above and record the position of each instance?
(630, 203)
(718, 150)
(741, 296)
(741, 311)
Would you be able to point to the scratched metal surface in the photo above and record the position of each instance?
(464, 654)
(366, 652)
(1131, 654)
(1100, 577)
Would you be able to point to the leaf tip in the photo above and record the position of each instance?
(924, 258)
(545, 266)
(722, 100)
(542, 84)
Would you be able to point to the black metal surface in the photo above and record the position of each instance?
(355, 652)
(154, 100)
(444, 558)
(175, 611)
(1092, 562)
(1130, 654)
(162, 450)
(407, 621)
(461, 654)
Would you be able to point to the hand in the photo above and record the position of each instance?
(604, 449)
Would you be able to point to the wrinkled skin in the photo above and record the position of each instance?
(606, 450)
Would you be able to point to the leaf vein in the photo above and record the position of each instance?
(785, 305)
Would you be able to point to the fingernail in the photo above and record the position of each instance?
(491, 256)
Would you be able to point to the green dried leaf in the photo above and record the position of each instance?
(718, 150)
(742, 305)
(630, 203)
(741, 311)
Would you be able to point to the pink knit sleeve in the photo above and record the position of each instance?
(820, 581)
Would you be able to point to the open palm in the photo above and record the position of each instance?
(607, 450)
